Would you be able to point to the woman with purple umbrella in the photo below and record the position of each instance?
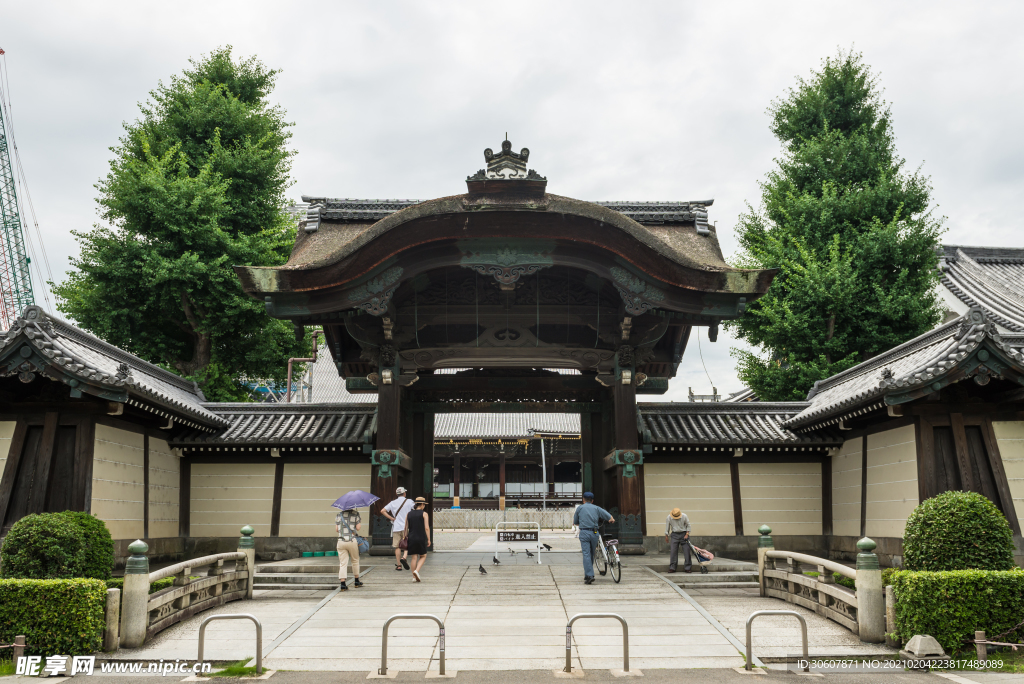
(348, 521)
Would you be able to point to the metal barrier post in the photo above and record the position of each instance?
(803, 631)
(409, 616)
(235, 616)
(568, 638)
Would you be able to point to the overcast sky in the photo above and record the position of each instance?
(616, 100)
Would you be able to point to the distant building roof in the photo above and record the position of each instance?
(989, 277)
(730, 424)
(745, 394)
(503, 425)
(284, 424)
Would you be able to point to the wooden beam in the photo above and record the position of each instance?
(11, 467)
(864, 486)
(44, 463)
(737, 502)
(963, 456)
(85, 443)
(184, 497)
(995, 460)
(826, 495)
(275, 507)
(927, 475)
(145, 486)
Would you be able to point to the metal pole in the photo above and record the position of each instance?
(544, 477)
(803, 632)
(409, 616)
(236, 616)
(568, 638)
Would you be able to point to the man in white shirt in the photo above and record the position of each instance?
(396, 512)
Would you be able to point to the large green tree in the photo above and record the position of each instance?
(196, 185)
(850, 230)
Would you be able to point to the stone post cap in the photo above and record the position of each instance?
(247, 530)
(924, 645)
(867, 545)
(138, 547)
(137, 563)
(246, 541)
(764, 529)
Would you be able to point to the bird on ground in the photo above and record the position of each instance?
(546, 546)
(496, 561)
(528, 554)
(482, 571)
(511, 552)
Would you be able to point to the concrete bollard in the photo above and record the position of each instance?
(890, 617)
(870, 595)
(19, 647)
(111, 633)
(247, 545)
(134, 612)
(764, 544)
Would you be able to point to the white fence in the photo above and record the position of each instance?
(467, 519)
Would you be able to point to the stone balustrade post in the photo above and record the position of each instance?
(111, 633)
(134, 606)
(764, 543)
(870, 595)
(247, 545)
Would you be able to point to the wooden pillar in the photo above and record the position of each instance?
(44, 462)
(275, 505)
(145, 486)
(549, 476)
(456, 484)
(474, 465)
(625, 461)
(501, 482)
(384, 462)
(184, 496)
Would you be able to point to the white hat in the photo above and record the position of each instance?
(400, 490)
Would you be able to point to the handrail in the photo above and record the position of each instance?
(235, 616)
(172, 570)
(814, 560)
(803, 632)
(408, 616)
(568, 638)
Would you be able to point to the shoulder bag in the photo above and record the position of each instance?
(404, 543)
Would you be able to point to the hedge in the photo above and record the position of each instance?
(951, 605)
(957, 531)
(118, 583)
(63, 616)
(57, 546)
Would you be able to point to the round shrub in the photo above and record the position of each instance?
(98, 546)
(42, 546)
(957, 531)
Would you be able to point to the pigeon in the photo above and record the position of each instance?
(482, 571)
(528, 554)
(546, 546)
(496, 561)
(511, 552)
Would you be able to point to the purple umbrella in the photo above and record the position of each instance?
(357, 498)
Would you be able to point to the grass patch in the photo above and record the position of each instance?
(6, 668)
(1013, 661)
(235, 670)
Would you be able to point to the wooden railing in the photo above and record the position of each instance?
(188, 596)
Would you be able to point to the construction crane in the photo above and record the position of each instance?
(15, 279)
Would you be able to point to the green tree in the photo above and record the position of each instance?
(196, 186)
(849, 230)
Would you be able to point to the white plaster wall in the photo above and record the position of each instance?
(309, 489)
(891, 481)
(1010, 440)
(701, 490)
(164, 481)
(846, 481)
(118, 481)
(6, 435)
(226, 496)
(785, 496)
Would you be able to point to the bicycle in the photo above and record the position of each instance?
(609, 558)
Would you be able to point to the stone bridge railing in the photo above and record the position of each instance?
(143, 615)
(862, 611)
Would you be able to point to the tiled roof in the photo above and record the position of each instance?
(989, 277)
(920, 365)
(370, 210)
(749, 423)
(271, 424)
(90, 365)
(503, 425)
(327, 384)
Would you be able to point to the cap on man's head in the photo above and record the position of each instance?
(400, 490)
(588, 496)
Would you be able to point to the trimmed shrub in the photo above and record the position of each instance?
(98, 546)
(952, 605)
(957, 531)
(42, 546)
(56, 616)
(118, 583)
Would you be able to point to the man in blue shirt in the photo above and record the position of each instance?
(587, 518)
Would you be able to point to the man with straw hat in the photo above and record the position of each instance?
(677, 533)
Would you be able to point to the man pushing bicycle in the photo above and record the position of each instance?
(587, 518)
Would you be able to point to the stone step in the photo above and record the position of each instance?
(718, 585)
(295, 587)
(302, 578)
(715, 567)
(712, 577)
(320, 567)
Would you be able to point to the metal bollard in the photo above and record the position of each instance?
(568, 638)
(408, 616)
(798, 616)
(235, 616)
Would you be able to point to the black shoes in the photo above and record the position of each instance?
(342, 587)
(405, 564)
(588, 580)
(357, 583)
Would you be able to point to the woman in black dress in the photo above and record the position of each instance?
(418, 530)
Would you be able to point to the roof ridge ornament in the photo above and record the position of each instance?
(506, 165)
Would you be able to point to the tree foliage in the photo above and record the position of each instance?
(849, 230)
(196, 186)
